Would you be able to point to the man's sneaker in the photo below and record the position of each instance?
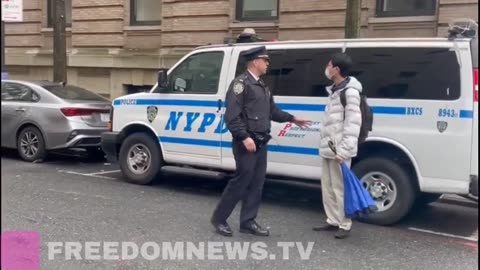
(325, 227)
(342, 234)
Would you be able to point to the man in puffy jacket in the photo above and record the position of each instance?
(340, 126)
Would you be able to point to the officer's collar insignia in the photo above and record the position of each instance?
(238, 88)
(152, 112)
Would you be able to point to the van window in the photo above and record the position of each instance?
(198, 74)
(296, 72)
(407, 73)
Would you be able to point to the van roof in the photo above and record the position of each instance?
(287, 42)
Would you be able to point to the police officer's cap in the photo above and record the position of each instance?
(256, 53)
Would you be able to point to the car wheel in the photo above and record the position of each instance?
(140, 158)
(31, 144)
(391, 188)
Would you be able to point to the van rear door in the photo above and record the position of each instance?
(474, 158)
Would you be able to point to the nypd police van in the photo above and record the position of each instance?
(423, 92)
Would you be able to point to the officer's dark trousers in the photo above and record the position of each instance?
(246, 186)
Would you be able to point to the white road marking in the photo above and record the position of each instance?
(65, 192)
(81, 194)
(87, 174)
(104, 172)
(474, 237)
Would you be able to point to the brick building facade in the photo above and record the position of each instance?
(116, 46)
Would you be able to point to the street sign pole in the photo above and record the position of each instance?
(3, 46)
(59, 42)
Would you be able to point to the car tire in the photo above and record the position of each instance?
(140, 159)
(31, 145)
(373, 169)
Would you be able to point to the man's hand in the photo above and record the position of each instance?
(250, 145)
(302, 123)
(339, 159)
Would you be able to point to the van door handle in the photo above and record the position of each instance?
(20, 109)
(219, 108)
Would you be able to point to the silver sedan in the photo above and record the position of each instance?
(39, 116)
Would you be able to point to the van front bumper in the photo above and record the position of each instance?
(110, 142)
(474, 185)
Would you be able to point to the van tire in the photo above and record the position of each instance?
(405, 189)
(147, 146)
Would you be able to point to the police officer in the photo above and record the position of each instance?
(250, 109)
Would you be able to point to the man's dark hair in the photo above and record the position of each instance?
(343, 62)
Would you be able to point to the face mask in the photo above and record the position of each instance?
(327, 74)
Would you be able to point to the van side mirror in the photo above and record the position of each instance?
(162, 78)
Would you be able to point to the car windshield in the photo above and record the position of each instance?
(73, 92)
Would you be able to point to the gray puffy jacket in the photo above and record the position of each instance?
(342, 125)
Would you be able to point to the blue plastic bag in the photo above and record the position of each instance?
(357, 200)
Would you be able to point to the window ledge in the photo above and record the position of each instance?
(239, 24)
(50, 30)
(402, 19)
(143, 28)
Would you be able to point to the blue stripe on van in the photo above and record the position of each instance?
(390, 110)
(217, 144)
(166, 102)
(380, 110)
(301, 107)
(466, 114)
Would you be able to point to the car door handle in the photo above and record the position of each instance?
(219, 108)
(20, 109)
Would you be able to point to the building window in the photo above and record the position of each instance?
(68, 13)
(133, 89)
(145, 12)
(255, 10)
(395, 8)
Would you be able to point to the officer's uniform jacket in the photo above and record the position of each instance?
(250, 108)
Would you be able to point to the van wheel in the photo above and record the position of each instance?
(31, 145)
(140, 158)
(390, 187)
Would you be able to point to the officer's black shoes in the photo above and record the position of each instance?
(325, 227)
(222, 228)
(253, 228)
(342, 234)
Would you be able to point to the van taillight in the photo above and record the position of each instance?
(475, 85)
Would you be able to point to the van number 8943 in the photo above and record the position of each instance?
(447, 113)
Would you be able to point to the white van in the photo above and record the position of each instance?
(423, 91)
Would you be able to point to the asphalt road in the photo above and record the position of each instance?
(72, 199)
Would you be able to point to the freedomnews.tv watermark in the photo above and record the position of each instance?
(176, 250)
(21, 250)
